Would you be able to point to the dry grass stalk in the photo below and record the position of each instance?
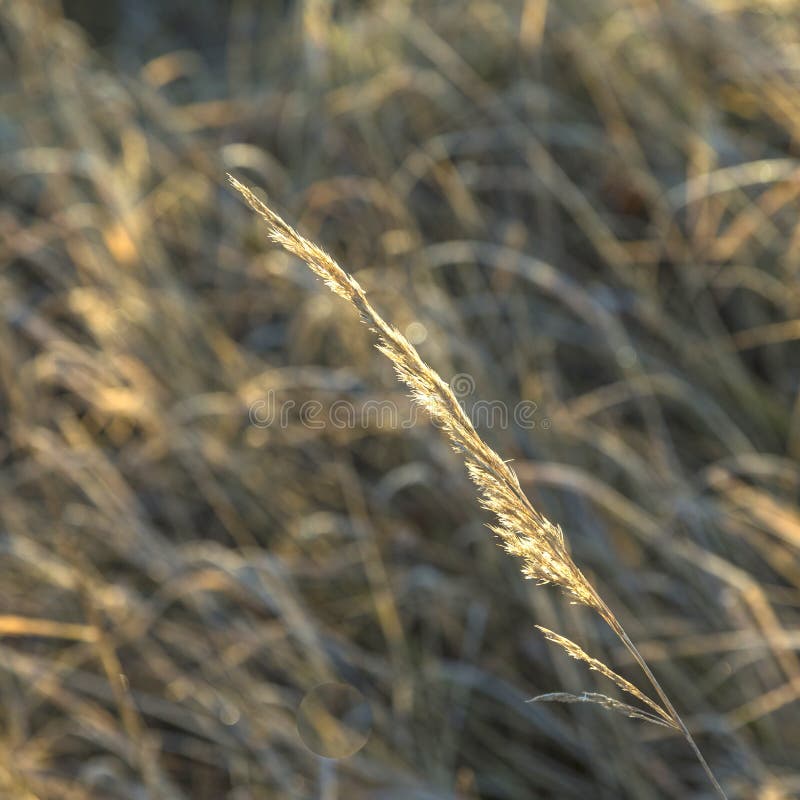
(522, 530)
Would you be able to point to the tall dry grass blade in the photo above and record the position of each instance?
(522, 530)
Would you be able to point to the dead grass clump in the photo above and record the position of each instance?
(589, 205)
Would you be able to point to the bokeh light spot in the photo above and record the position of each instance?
(334, 720)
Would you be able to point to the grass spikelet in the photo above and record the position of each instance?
(522, 530)
(604, 701)
(577, 653)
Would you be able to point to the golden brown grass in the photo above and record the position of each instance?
(593, 205)
(522, 531)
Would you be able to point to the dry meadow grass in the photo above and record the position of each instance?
(592, 207)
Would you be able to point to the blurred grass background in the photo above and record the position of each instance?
(590, 206)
